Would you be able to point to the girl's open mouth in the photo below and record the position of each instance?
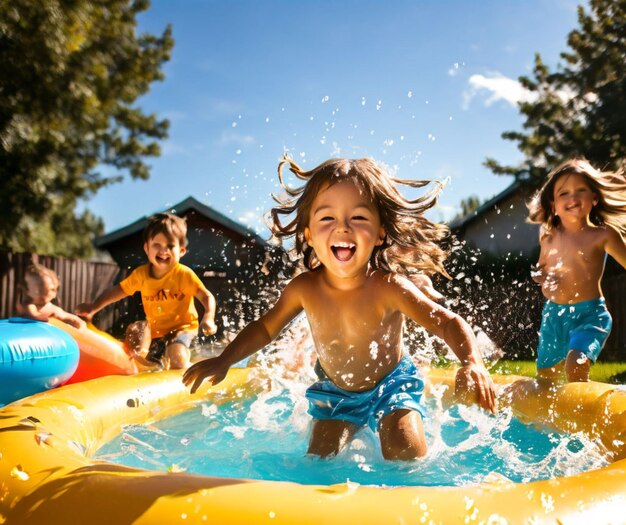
(343, 251)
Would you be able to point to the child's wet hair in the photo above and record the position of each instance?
(411, 243)
(609, 187)
(170, 225)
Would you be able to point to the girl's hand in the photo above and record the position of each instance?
(213, 369)
(474, 385)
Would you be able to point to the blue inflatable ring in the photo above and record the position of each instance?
(34, 356)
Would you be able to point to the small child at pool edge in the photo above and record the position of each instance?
(582, 213)
(38, 289)
(349, 215)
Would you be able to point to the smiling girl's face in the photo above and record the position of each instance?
(573, 198)
(344, 228)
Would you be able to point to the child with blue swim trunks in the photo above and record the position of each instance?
(360, 242)
(582, 212)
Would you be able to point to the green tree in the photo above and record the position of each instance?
(579, 109)
(468, 205)
(70, 72)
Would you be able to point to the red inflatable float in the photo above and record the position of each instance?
(100, 353)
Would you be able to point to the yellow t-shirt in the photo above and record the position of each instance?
(168, 301)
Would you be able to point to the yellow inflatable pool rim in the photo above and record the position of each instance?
(47, 474)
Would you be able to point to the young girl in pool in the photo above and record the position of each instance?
(349, 216)
(582, 212)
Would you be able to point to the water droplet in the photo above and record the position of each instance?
(18, 473)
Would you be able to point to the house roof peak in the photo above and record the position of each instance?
(181, 208)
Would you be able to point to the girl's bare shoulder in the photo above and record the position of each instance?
(392, 282)
(304, 280)
(547, 236)
(611, 235)
(601, 234)
(607, 230)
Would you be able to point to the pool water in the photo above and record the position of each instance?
(266, 438)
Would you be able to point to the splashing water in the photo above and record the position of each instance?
(266, 438)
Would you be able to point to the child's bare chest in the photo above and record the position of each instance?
(349, 319)
(356, 339)
(574, 253)
(348, 315)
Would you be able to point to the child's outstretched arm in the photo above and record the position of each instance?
(251, 339)
(616, 246)
(425, 284)
(207, 300)
(472, 377)
(109, 296)
(71, 319)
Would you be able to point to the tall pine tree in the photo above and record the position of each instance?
(70, 73)
(579, 109)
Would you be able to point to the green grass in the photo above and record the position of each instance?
(604, 372)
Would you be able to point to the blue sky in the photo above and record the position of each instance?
(425, 87)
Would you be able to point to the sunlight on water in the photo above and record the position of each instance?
(266, 438)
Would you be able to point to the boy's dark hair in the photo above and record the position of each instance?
(170, 225)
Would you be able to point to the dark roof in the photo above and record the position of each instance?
(486, 206)
(189, 204)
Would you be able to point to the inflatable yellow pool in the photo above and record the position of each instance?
(47, 476)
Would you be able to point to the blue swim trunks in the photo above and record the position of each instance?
(401, 388)
(582, 326)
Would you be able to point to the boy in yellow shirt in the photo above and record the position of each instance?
(168, 289)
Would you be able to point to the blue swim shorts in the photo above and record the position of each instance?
(582, 326)
(401, 388)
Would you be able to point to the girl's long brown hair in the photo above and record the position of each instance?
(608, 186)
(412, 242)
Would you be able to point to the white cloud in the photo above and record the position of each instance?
(225, 107)
(228, 137)
(442, 213)
(496, 87)
(248, 217)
